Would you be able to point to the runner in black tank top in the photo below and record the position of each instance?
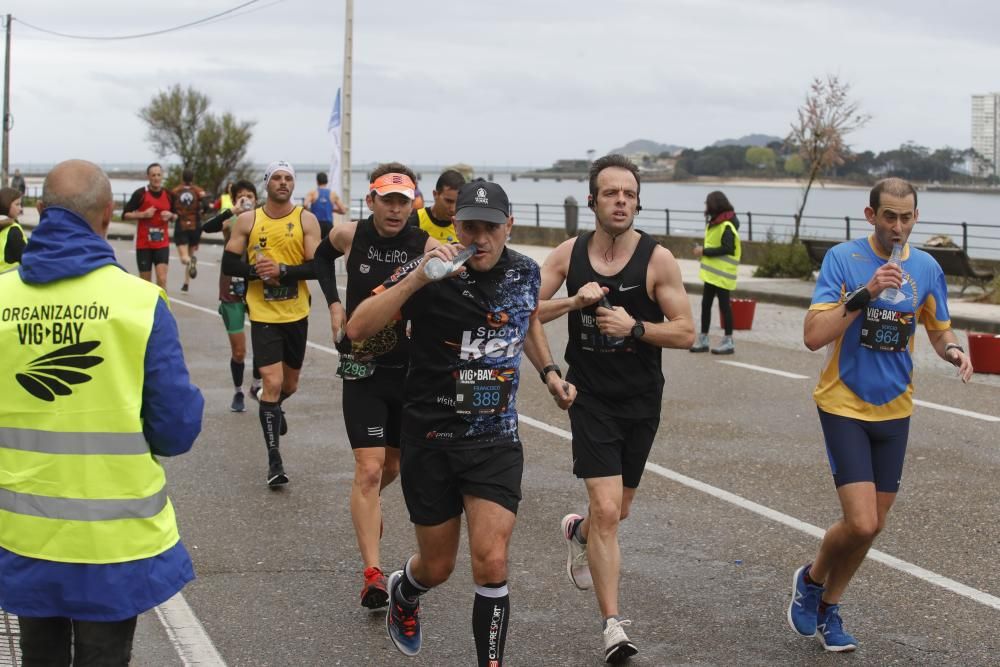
(615, 361)
(374, 368)
(604, 368)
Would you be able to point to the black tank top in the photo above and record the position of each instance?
(372, 260)
(625, 371)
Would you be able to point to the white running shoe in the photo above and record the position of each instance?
(577, 567)
(617, 646)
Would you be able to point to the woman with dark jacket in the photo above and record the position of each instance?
(720, 258)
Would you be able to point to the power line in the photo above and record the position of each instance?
(138, 36)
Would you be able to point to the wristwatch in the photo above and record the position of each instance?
(544, 374)
(282, 270)
(954, 346)
(638, 330)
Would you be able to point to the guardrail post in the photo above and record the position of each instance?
(749, 226)
(847, 226)
(538, 216)
(965, 238)
(666, 212)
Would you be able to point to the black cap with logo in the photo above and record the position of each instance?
(482, 200)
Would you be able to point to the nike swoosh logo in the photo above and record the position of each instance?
(622, 288)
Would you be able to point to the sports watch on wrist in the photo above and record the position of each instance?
(857, 299)
(544, 373)
(954, 346)
(638, 330)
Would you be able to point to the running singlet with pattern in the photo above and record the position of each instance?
(280, 239)
(322, 208)
(621, 371)
(468, 333)
(187, 205)
(150, 233)
(868, 373)
(372, 260)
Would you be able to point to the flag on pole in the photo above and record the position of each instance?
(333, 128)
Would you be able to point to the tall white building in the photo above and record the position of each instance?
(986, 132)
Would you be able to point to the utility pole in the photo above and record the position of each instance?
(345, 109)
(7, 121)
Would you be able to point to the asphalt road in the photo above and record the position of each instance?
(704, 581)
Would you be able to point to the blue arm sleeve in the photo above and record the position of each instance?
(171, 405)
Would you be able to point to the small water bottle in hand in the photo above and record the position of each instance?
(437, 268)
(890, 294)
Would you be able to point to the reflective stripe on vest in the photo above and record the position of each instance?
(445, 234)
(78, 483)
(721, 269)
(4, 233)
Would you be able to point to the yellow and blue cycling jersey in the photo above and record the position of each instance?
(868, 372)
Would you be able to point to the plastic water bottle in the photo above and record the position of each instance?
(890, 294)
(436, 268)
(612, 341)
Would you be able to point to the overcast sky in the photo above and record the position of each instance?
(512, 82)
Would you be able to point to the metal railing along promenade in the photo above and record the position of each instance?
(978, 240)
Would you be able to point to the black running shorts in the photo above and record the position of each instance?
(373, 408)
(279, 342)
(188, 237)
(145, 258)
(606, 445)
(435, 479)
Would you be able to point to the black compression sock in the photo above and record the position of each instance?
(490, 616)
(256, 372)
(237, 368)
(270, 419)
(409, 588)
(283, 397)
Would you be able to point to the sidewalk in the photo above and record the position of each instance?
(965, 313)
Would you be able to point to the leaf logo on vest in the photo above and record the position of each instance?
(52, 374)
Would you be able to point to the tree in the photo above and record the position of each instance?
(213, 146)
(825, 119)
(760, 158)
(794, 165)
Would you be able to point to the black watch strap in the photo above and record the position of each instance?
(548, 369)
(857, 300)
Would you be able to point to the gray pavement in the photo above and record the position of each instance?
(704, 578)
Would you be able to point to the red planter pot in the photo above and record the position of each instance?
(984, 350)
(743, 310)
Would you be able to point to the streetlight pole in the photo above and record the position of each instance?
(5, 159)
(345, 110)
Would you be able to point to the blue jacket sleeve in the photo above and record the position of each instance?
(171, 405)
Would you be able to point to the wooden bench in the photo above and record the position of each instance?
(816, 249)
(954, 262)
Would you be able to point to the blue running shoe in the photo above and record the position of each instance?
(831, 633)
(402, 621)
(804, 607)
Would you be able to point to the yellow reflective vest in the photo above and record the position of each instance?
(4, 265)
(721, 269)
(444, 234)
(78, 483)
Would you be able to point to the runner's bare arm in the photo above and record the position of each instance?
(373, 313)
(536, 348)
(310, 235)
(941, 339)
(554, 272)
(668, 291)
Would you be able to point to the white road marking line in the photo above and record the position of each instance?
(916, 401)
(956, 411)
(763, 369)
(315, 346)
(187, 634)
(792, 522)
